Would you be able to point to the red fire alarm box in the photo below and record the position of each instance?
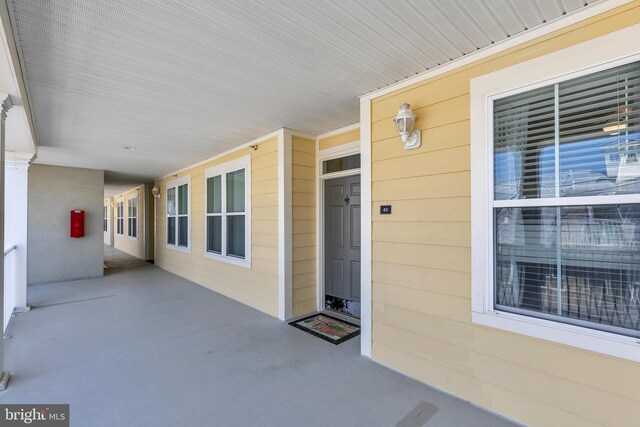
(77, 223)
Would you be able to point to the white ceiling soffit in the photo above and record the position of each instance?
(184, 80)
(18, 136)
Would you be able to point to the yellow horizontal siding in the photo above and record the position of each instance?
(339, 139)
(303, 199)
(421, 281)
(257, 286)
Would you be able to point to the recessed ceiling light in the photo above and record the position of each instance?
(129, 148)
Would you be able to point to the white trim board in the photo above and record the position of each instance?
(175, 184)
(551, 26)
(221, 169)
(285, 224)
(338, 131)
(365, 231)
(129, 198)
(330, 153)
(607, 51)
(260, 139)
(339, 151)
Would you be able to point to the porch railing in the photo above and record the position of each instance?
(9, 283)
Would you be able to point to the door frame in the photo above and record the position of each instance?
(328, 154)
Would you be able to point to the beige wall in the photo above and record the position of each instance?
(421, 282)
(303, 174)
(125, 243)
(53, 256)
(257, 286)
(339, 139)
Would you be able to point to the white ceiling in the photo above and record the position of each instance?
(18, 138)
(184, 80)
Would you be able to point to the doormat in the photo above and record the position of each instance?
(328, 328)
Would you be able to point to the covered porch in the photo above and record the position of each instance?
(141, 346)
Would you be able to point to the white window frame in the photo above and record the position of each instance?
(129, 199)
(222, 169)
(105, 218)
(611, 50)
(119, 212)
(175, 184)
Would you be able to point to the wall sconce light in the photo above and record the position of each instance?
(405, 120)
(156, 192)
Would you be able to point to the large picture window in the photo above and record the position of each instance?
(227, 206)
(565, 211)
(132, 220)
(120, 218)
(555, 196)
(178, 211)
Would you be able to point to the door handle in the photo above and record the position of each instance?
(346, 200)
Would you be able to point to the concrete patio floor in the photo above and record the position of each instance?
(143, 347)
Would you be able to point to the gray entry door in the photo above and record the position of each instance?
(342, 238)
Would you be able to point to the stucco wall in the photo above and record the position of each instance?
(54, 191)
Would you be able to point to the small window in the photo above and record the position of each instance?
(120, 218)
(341, 164)
(178, 211)
(132, 220)
(105, 219)
(227, 200)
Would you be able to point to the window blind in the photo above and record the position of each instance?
(571, 263)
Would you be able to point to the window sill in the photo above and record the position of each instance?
(132, 238)
(587, 339)
(186, 250)
(229, 260)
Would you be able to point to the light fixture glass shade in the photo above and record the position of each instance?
(405, 119)
(156, 192)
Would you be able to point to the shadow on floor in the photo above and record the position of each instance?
(116, 260)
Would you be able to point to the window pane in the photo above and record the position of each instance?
(214, 194)
(171, 201)
(598, 251)
(235, 235)
(341, 164)
(524, 145)
(600, 132)
(183, 199)
(525, 256)
(235, 191)
(183, 231)
(214, 234)
(171, 230)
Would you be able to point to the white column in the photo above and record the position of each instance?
(15, 220)
(4, 107)
(285, 256)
